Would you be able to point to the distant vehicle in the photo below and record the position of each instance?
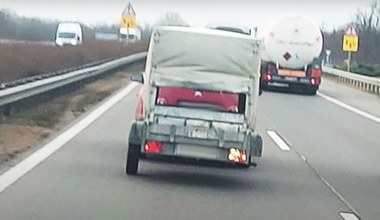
(199, 100)
(69, 34)
(230, 27)
(290, 54)
(130, 34)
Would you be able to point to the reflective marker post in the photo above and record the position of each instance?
(349, 62)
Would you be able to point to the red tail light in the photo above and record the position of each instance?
(268, 77)
(237, 156)
(316, 73)
(315, 82)
(154, 147)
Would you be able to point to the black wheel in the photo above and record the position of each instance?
(132, 162)
(311, 91)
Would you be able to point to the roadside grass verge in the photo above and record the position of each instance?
(24, 60)
(23, 130)
(362, 69)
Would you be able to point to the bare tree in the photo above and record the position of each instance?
(369, 18)
(15, 27)
(171, 19)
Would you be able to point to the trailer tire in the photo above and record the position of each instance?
(132, 160)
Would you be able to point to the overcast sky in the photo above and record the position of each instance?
(331, 13)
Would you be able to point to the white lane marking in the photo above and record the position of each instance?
(349, 107)
(22, 168)
(348, 216)
(303, 158)
(278, 140)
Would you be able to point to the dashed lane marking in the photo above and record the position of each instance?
(278, 140)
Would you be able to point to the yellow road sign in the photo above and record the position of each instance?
(128, 21)
(350, 43)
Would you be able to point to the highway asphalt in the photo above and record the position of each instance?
(332, 167)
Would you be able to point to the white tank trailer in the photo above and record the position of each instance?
(290, 55)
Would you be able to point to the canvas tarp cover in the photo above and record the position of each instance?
(204, 59)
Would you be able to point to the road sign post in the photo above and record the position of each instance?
(350, 44)
(349, 62)
(328, 58)
(128, 20)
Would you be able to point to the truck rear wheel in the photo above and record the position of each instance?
(132, 161)
(264, 85)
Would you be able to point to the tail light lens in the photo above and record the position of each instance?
(316, 73)
(237, 156)
(268, 77)
(154, 147)
(312, 81)
(315, 82)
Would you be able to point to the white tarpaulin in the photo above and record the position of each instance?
(204, 59)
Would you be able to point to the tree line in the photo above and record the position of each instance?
(366, 21)
(367, 24)
(15, 27)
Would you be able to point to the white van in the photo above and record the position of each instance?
(130, 34)
(69, 34)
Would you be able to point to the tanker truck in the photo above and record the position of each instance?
(290, 55)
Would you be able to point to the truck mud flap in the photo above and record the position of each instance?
(256, 145)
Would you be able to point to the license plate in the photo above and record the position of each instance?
(200, 152)
(291, 78)
(198, 132)
(278, 84)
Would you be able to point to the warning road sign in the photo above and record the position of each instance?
(128, 21)
(129, 17)
(350, 40)
(350, 43)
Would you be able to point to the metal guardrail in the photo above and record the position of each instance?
(9, 41)
(365, 83)
(17, 82)
(20, 92)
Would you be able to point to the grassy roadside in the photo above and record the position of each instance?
(24, 60)
(362, 69)
(24, 130)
